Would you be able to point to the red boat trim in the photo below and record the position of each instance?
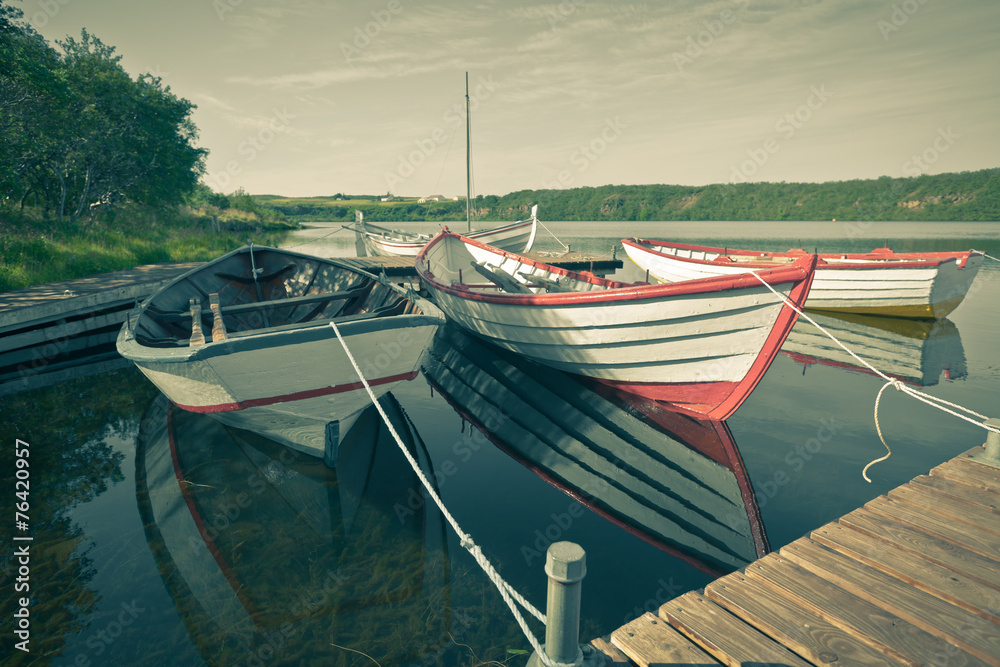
(297, 396)
(798, 271)
(927, 259)
(807, 360)
(235, 583)
(722, 449)
(576, 495)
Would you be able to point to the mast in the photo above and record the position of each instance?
(468, 159)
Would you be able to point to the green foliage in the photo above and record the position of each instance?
(962, 196)
(79, 136)
(34, 250)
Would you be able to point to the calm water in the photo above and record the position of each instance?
(310, 565)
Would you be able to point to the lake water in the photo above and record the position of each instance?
(309, 565)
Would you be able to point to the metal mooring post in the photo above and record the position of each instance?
(991, 448)
(566, 565)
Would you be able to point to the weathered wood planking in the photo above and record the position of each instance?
(794, 626)
(722, 635)
(911, 579)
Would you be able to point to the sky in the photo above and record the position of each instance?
(308, 98)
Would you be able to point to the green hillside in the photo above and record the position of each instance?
(965, 196)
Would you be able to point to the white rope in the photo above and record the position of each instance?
(991, 257)
(507, 592)
(566, 247)
(933, 401)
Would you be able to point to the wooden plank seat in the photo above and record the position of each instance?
(542, 281)
(385, 311)
(500, 279)
(249, 280)
(168, 316)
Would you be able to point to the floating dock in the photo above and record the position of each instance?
(912, 578)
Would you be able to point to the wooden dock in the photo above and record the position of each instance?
(913, 578)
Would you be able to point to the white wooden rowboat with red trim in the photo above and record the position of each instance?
(516, 236)
(272, 361)
(882, 282)
(702, 345)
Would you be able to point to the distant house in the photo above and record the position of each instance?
(388, 198)
(459, 198)
(424, 200)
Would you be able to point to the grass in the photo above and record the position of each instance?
(35, 250)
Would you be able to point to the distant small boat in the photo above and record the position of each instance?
(882, 282)
(675, 482)
(918, 352)
(272, 363)
(702, 345)
(384, 242)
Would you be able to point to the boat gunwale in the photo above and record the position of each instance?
(428, 314)
(798, 271)
(399, 242)
(890, 259)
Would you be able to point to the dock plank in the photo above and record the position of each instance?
(956, 588)
(933, 549)
(966, 493)
(964, 469)
(610, 652)
(648, 640)
(948, 508)
(869, 623)
(937, 617)
(808, 635)
(724, 636)
(969, 537)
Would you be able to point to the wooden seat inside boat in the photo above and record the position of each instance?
(504, 281)
(543, 281)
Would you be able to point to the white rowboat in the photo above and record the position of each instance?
(516, 236)
(882, 282)
(272, 363)
(702, 345)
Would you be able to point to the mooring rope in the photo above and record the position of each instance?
(933, 401)
(507, 591)
(566, 247)
(991, 257)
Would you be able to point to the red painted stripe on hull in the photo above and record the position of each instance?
(227, 572)
(297, 396)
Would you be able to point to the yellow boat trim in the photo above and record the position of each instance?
(926, 311)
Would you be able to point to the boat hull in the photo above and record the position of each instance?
(674, 482)
(914, 285)
(701, 346)
(516, 237)
(283, 377)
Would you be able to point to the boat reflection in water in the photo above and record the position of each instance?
(917, 352)
(676, 482)
(270, 556)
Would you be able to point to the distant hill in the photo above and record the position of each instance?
(965, 196)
